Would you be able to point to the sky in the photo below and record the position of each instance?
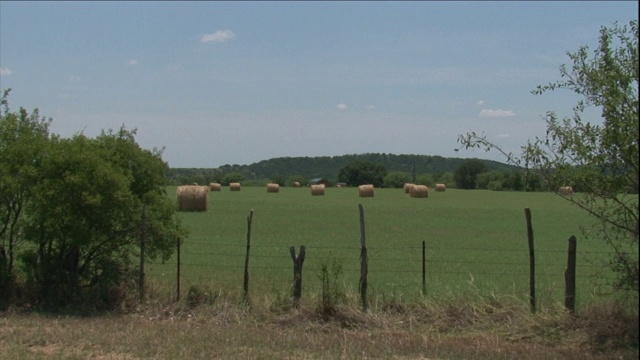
(216, 83)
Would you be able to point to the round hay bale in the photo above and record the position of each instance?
(366, 190)
(296, 184)
(317, 189)
(441, 187)
(234, 186)
(193, 198)
(565, 190)
(273, 188)
(214, 187)
(419, 191)
(407, 187)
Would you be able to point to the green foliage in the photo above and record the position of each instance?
(23, 141)
(232, 177)
(425, 179)
(361, 173)
(448, 178)
(81, 207)
(298, 178)
(466, 175)
(600, 160)
(278, 179)
(396, 179)
(323, 167)
(200, 295)
(332, 292)
(501, 181)
(491, 180)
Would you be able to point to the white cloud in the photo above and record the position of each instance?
(501, 136)
(133, 62)
(480, 102)
(488, 113)
(5, 72)
(74, 78)
(342, 106)
(218, 36)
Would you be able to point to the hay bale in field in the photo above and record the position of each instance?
(441, 187)
(273, 188)
(234, 186)
(317, 189)
(366, 190)
(407, 187)
(565, 190)
(192, 198)
(214, 187)
(296, 184)
(419, 191)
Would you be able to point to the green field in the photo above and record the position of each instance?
(476, 242)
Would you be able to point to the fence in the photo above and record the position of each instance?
(422, 266)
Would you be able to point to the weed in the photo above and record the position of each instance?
(332, 292)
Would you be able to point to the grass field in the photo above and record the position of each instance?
(476, 241)
(476, 306)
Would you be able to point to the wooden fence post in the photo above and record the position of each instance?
(424, 268)
(363, 261)
(532, 262)
(570, 277)
(246, 259)
(143, 241)
(179, 242)
(297, 274)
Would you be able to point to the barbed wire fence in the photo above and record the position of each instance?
(423, 261)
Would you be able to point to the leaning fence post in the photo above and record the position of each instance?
(570, 277)
(532, 262)
(363, 261)
(246, 259)
(297, 274)
(179, 242)
(424, 268)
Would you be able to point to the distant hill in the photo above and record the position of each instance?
(326, 167)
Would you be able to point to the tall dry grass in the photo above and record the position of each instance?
(211, 323)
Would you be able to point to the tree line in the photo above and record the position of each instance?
(391, 171)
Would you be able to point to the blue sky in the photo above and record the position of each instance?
(219, 83)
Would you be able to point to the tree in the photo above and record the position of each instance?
(448, 179)
(78, 208)
(361, 173)
(600, 158)
(425, 179)
(303, 181)
(23, 138)
(87, 215)
(232, 177)
(396, 179)
(466, 175)
(491, 180)
(278, 179)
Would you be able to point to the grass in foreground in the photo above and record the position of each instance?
(217, 326)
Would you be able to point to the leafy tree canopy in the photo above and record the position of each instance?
(83, 206)
(466, 175)
(361, 173)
